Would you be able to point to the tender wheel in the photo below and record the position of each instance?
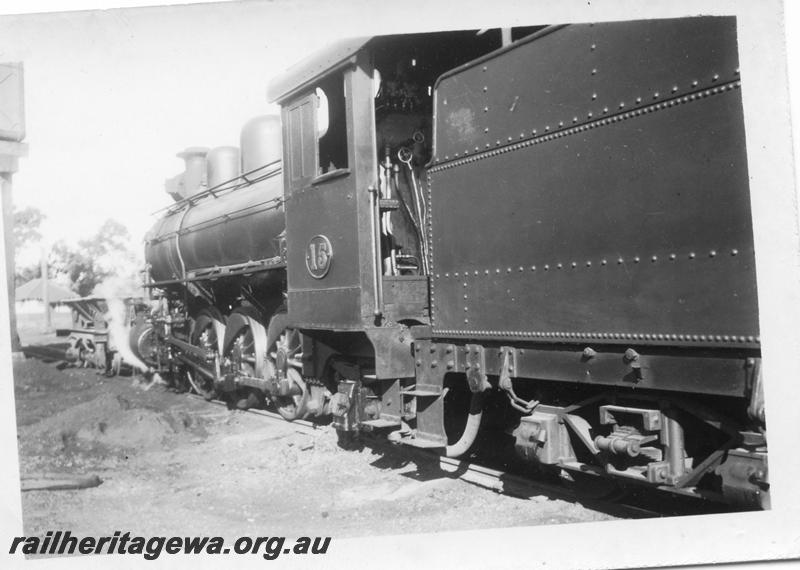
(286, 356)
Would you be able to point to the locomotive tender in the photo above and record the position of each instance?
(545, 245)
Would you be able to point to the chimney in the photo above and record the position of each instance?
(194, 177)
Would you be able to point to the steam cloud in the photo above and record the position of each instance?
(118, 326)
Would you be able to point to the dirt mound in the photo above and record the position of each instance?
(110, 424)
(34, 375)
(43, 390)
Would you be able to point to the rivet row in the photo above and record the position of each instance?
(591, 124)
(573, 264)
(663, 337)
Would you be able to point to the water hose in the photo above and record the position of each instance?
(467, 438)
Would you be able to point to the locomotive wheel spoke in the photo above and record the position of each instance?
(286, 358)
(244, 356)
(292, 407)
(243, 353)
(205, 336)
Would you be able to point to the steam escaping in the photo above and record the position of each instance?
(149, 380)
(118, 324)
(118, 332)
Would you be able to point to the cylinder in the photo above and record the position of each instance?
(222, 165)
(194, 177)
(260, 142)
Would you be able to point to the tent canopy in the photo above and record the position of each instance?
(34, 289)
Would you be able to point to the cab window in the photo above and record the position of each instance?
(331, 124)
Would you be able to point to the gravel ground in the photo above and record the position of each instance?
(172, 464)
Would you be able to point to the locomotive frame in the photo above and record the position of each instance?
(591, 350)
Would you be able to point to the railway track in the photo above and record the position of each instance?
(496, 480)
(644, 503)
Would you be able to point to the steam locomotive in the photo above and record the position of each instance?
(540, 242)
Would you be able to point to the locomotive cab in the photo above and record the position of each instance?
(358, 123)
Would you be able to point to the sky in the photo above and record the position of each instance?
(112, 96)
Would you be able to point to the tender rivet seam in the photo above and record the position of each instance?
(447, 163)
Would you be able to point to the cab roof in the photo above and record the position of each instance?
(452, 48)
(299, 75)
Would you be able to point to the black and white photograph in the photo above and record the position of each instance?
(311, 284)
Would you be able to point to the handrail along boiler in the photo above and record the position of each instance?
(544, 246)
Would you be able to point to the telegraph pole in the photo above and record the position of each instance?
(48, 320)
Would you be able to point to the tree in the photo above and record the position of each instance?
(27, 224)
(76, 264)
(108, 254)
(27, 233)
(24, 274)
